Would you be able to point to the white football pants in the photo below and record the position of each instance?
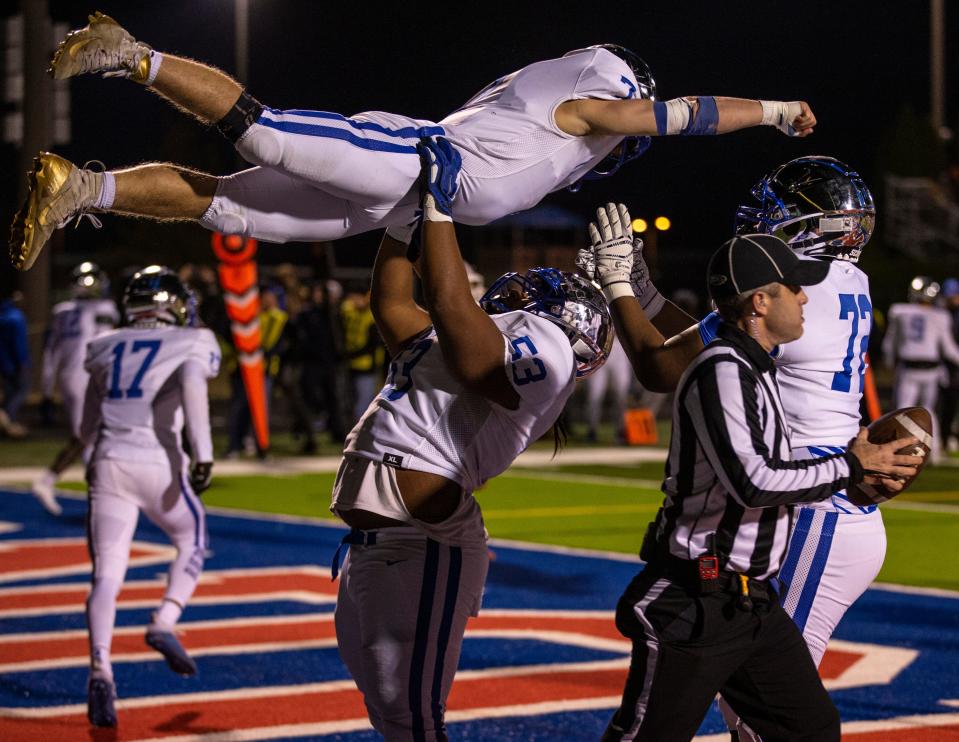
(322, 176)
(119, 490)
(920, 388)
(401, 613)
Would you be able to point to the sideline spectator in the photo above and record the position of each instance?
(14, 363)
(318, 345)
(364, 351)
(949, 405)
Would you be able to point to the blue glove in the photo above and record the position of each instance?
(441, 164)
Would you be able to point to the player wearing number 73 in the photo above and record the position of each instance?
(146, 380)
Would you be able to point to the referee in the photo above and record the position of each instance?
(703, 615)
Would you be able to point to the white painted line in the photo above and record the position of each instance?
(878, 665)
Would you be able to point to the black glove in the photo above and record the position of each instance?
(200, 476)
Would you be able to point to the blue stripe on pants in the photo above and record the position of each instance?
(796, 543)
(193, 511)
(407, 132)
(330, 132)
(423, 618)
(816, 569)
(443, 639)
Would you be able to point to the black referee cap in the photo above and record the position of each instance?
(749, 261)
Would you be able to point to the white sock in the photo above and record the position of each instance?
(48, 478)
(108, 191)
(100, 666)
(166, 615)
(156, 59)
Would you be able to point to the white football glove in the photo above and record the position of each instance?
(611, 238)
(642, 287)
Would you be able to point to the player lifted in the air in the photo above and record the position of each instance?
(322, 176)
(148, 383)
(73, 324)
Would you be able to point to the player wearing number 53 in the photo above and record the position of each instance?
(147, 382)
(470, 387)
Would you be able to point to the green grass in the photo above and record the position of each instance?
(607, 508)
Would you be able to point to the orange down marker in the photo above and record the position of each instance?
(238, 278)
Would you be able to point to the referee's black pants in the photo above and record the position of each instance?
(689, 646)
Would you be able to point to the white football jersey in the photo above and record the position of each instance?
(134, 378)
(919, 334)
(507, 133)
(73, 324)
(424, 420)
(821, 375)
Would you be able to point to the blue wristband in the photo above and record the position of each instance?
(704, 121)
(709, 327)
(659, 110)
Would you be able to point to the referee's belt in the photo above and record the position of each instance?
(689, 574)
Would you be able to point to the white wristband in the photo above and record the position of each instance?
(616, 290)
(652, 303)
(780, 113)
(431, 213)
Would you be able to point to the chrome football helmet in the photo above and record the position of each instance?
(817, 205)
(569, 301)
(923, 290)
(156, 295)
(88, 281)
(631, 147)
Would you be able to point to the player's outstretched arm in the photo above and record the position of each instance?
(473, 346)
(643, 318)
(398, 317)
(688, 116)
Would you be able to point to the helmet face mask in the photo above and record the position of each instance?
(88, 281)
(156, 295)
(817, 205)
(567, 300)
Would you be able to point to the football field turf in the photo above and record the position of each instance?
(543, 660)
(606, 508)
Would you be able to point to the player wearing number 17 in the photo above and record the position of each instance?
(146, 380)
(470, 387)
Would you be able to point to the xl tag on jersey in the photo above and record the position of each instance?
(392, 459)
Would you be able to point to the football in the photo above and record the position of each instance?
(902, 423)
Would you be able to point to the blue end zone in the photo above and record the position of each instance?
(518, 579)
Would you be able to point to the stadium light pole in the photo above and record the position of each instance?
(37, 136)
(937, 63)
(242, 39)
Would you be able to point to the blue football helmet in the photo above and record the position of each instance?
(819, 206)
(631, 147)
(156, 295)
(567, 300)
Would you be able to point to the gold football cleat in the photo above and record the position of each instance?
(103, 45)
(57, 191)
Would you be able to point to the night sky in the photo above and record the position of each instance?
(856, 63)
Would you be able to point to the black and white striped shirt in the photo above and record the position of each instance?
(729, 470)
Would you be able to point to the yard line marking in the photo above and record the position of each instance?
(562, 512)
(597, 479)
